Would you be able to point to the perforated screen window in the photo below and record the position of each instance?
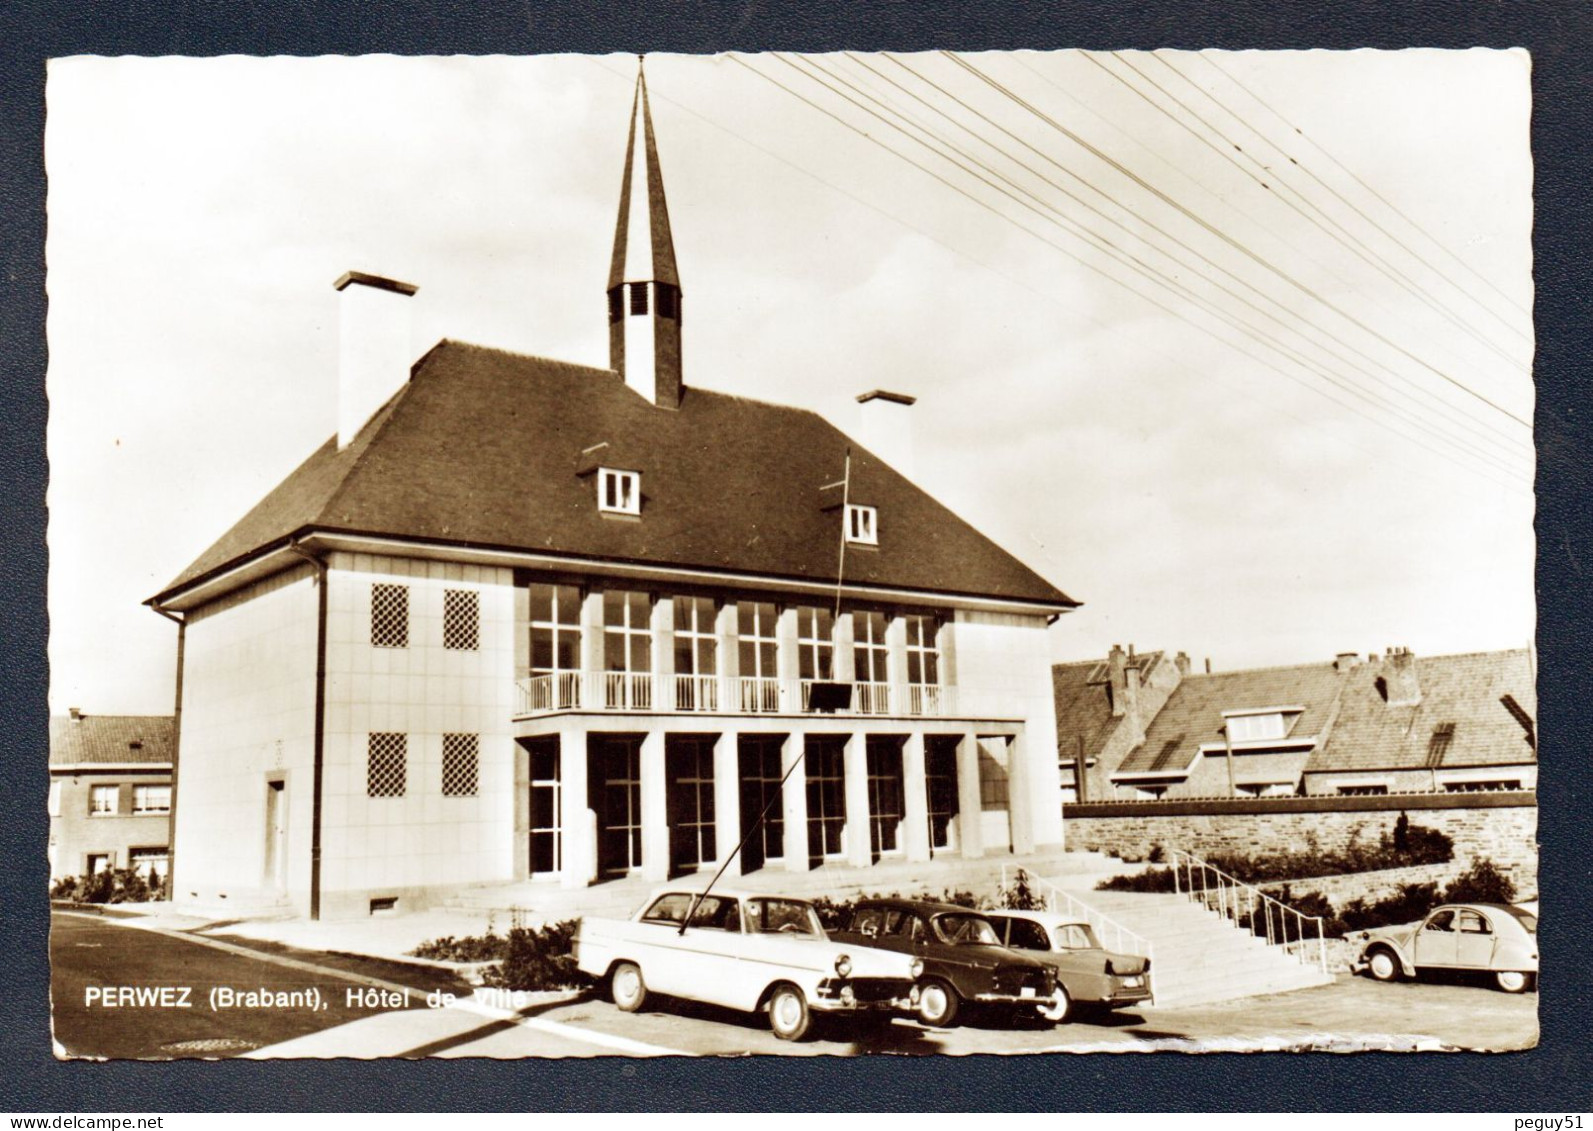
(390, 616)
(461, 763)
(386, 765)
(461, 619)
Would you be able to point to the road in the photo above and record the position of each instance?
(90, 953)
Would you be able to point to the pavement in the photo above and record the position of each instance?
(417, 1017)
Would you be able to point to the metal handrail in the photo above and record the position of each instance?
(1241, 903)
(1124, 941)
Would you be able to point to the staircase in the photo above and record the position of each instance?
(1200, 957)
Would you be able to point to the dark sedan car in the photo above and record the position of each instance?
(964, 960)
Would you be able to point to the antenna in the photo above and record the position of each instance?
(846, 497)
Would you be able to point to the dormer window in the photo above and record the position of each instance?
(862, 525)
(619, 492)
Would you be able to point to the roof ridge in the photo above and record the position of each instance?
(480, 348)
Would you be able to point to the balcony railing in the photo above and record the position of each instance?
(548, 693)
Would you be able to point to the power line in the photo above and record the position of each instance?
(1321, 220)
(1462, 419)
(1211, 62)
(1236, 244)
(1090, 266)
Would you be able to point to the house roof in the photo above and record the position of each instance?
(484, 448)
(1193, 712)
(110, 740)
(1464, 690)
(1082, 707)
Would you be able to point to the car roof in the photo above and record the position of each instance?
(1045, 918)
(721, 892)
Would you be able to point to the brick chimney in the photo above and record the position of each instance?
(886, 428)
(373, 347)
(1181, 662)
(1117, 680)
(76, 713)
(1400, 674)
(1344, 661)
(1131, 689)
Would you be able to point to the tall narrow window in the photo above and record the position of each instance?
(862, 525)
(555, 647)
(755, 626)
(923, 654)
(461, 765)
(696, 655)
(461, 619)
(627, 649)
(815, 643)
(386, 764)
(390, 616)
(870, 656)
(619, 492)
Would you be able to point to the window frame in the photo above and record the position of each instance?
(396, 633)
(462, 620)
(619, 478)
(98, 791)
(861, 524)
(145, 787)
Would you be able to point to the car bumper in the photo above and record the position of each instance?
(1126, 995)
(864, 995)
(1019, 998)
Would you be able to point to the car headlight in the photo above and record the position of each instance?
(1110, 969)
(915, 969)
(843, 965)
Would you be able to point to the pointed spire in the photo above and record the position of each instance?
(643, 282)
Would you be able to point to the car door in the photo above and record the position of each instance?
(1474, 940)
(1437, 944)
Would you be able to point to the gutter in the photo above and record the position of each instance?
(319, 747)
(176, 744)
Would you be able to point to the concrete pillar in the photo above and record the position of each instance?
(576, 823)
(1021, 798)
(859, 849)
(522, 631)
(845, 640)
(794, 804)
(662, 656)
(896, 663)
(915, 806)
(946, 642)
(729, 657)
(727, 799)
(787, 664)
(970, 809)
(655, 810)
(592, 649)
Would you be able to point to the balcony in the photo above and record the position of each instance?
(717, 695)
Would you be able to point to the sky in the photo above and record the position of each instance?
(1274, 404)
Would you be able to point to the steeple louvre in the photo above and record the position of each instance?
(644, 298)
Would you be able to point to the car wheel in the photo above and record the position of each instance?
(1060, 1007)
(1383, 965)
(630, 991)
(789, 1016)
(938, 1004)
(1511, 981)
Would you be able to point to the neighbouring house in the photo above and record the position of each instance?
(1392, 724)
(525, 620)
(110, 793)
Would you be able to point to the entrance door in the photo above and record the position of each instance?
(689, 798)
(547, 842)
(940, 783)
(276, 833)
(761, 771)
(884, 795)
(615, 795)
(826, 770)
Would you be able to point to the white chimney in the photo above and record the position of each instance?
(887, 428)
(374, 353)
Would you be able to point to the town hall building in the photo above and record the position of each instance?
(525, 620)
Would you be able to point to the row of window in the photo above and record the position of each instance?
(106, 800)
(387, 765)
(390, 617)
(628, 633)
(141, 860)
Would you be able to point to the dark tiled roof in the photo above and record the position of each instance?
(110, 740)
(1464, 690)
(482, 447)
(1082, 707)
(1193, 713)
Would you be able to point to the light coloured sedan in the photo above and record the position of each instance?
(1088, 976)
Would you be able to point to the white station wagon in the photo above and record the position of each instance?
(743, 951)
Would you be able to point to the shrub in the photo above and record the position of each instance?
(1483, 882)
(472, 948)
(111, 885)
(539, 958)
(1409, 903)
(1020, 895)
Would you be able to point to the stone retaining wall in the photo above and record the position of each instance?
(1499, 826)
(1370, 886)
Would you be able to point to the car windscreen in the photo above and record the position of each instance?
(783, 917)
(962, 929)
(712, 911)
